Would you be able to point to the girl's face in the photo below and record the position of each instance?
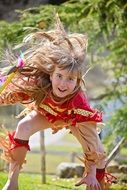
(63, 82)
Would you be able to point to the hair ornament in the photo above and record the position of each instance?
(20, 63)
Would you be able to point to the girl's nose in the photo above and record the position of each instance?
(63, 83)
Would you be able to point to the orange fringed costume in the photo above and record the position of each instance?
(82, 119)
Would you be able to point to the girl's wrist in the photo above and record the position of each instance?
(91, 171)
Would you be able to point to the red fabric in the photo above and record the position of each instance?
(15, 144)
(100, 173)
(67, 110)
(78, 101)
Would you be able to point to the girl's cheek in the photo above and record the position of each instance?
(56, 82)
(72, 85)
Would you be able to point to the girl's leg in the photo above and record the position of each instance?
(29, 125)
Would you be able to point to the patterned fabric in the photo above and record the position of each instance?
(77, 110)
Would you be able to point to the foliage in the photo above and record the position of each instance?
(119, 121)
(105, 23)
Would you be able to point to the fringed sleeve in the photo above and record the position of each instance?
(94, 155)
(8, 98)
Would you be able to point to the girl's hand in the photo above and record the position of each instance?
(91, 182)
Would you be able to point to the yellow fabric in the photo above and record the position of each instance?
(10, 77)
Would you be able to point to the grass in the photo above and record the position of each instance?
(33, 182)
(52, 161)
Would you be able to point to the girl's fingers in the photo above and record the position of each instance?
(93, 187)
(98, 187)
(82, 181)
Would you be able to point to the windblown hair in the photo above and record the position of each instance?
(45, 50)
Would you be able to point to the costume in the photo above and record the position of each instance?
(75, 109)
(82, 120)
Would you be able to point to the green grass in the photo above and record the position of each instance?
(33, 164)
(33, 182)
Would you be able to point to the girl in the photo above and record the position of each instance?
(49, 81)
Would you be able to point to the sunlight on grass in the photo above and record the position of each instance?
(33, 182)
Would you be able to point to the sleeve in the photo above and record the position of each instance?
(80, 110)
(8, 98)
(94, 154)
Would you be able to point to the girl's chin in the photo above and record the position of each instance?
(60, 95)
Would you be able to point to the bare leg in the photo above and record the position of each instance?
(29, 125)
(14, 168)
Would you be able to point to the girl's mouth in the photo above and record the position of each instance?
(61, 90)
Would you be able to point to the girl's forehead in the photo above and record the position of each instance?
(66, 71)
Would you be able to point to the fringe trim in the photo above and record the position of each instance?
(7, 144)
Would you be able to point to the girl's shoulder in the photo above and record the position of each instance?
(80, 100)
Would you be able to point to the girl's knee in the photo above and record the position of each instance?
(22, 130)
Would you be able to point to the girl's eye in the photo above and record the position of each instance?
(70, 79)
(59, 75)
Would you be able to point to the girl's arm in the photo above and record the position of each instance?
(94, 155)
